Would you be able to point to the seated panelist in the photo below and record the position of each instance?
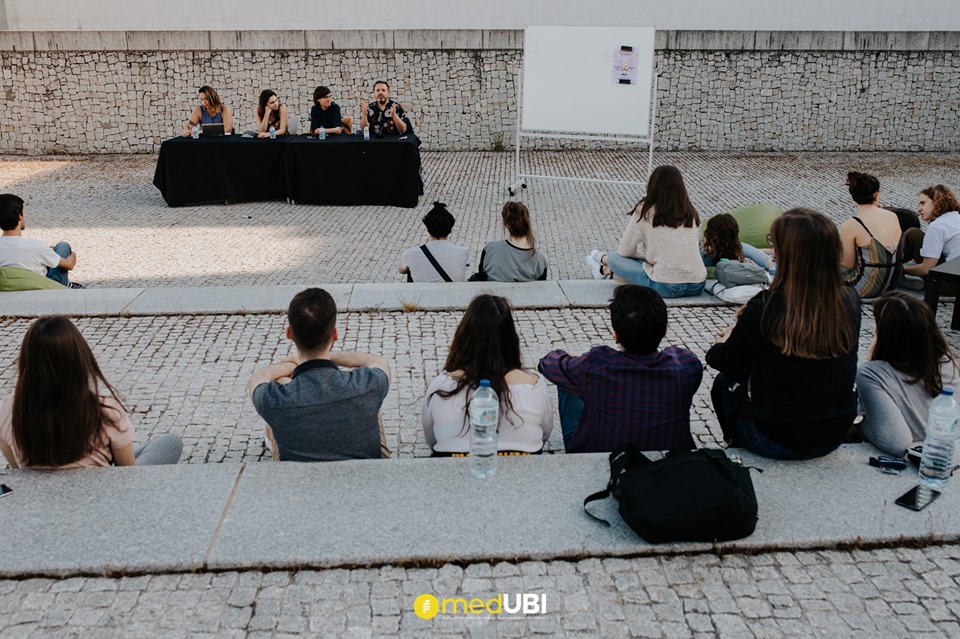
(271, 113)
(212, 110)
(383, 115)
(325, 113)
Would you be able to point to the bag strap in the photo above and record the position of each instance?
(436, 265)
(620, 460)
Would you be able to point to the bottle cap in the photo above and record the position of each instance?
(485, 383)
(947, 391)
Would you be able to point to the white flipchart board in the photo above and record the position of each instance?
(569, 89)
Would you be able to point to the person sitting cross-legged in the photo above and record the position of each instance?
(637, 394)
(33, 255)
(314, 410)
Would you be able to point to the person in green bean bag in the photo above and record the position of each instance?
(26, 264)
(754, 221)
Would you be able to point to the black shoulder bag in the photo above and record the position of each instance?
(436, 264)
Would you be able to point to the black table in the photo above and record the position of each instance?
(346, 170)
(220, 169)
(948, 272)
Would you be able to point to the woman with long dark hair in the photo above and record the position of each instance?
(908, 365)
(270, 113)
(64, 413)
(486, 346)
(660, 247)
(515, 259)
(787, 367)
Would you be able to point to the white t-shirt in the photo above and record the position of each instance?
(447, 431)
(942, 238)
(32, 255)
(451, 257)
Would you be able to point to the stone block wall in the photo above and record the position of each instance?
(125, 92)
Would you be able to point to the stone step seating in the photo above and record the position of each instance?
(414, 512)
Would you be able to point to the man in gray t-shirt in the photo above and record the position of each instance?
(451, 258)
(314, 410)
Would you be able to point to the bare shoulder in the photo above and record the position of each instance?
(518, 376)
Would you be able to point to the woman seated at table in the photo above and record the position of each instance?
(325, 113)
(271, 113)
(212, 110)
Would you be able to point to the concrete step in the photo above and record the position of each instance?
(415, 512)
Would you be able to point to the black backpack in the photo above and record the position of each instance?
(695, 495)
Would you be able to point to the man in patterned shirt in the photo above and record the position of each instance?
(383, 115)
(637, 394)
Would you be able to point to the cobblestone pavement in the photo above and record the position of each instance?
(886, 593)
(125, 236)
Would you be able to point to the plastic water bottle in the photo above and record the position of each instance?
(366, 133)
(196, 131)
(273, 132)
(484, 419)
(322, 133)
(937, 460)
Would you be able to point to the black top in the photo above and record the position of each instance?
(799, 403)
(330, 118)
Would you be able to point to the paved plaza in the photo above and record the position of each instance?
(187, 374)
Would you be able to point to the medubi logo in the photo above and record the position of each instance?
(427, 606)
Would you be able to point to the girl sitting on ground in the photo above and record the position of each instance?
(515, 259)
(721, 241)
(909, 364)
(660, 247)
(486, 346)
(58, 417)
(787, 367)
(938, 206)
(871, 240)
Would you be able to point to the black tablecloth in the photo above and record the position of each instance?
(217, 169)
(346, 170)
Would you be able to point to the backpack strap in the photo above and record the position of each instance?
(436, 265)
(624, 457)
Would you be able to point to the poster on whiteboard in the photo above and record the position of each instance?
(567, 85)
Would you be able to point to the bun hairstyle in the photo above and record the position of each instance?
(943, 199)
(439, 221)
(516, 219)
(863, 187)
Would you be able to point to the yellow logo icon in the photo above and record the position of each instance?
(426, 606)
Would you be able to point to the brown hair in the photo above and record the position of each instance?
(58, 413)
(213, 97)
(667, 195)
(516, 219)
(721, 238)
(909, 339)
(943, 199)
(809, 317)
(312, 316)
(485, 346)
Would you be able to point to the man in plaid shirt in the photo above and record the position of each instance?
(637, 394)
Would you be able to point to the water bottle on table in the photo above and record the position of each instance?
(366, 133)
(321, 133)
(936, 463)
(273, 132)
(484, 419)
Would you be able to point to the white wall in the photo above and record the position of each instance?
(803, 15)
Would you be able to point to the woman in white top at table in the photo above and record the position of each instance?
(212, 110)
(271, 113)
(486, 346)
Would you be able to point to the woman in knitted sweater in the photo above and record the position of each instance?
(660, 247)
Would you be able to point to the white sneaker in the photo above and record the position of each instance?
(267, 444)
(597, 254)
(596, 268)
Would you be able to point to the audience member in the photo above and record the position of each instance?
(909, 364)
(515, 259)
(787, 367)
(938, 206)
(660, 247)
(438, 260)
(325, 113)
(636, 394)
(15, 250)
(64, 413)
(383, 115)
(486, 346)
(721, 241)
(271, 113)
(212, 110)
(314, 410)
(871, 240)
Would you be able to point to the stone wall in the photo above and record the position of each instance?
(125, 92)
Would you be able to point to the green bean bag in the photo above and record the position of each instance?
(754, 221)
(13, 278)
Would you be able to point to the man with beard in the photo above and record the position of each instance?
(383, 115)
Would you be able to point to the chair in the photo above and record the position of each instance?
(293, 124)
(347, 124)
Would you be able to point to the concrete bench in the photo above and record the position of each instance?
(413, 512)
